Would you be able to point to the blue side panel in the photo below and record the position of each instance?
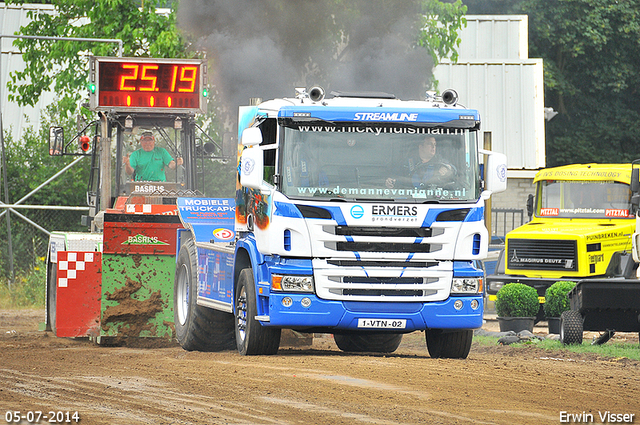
(215, 277)
(212, 221)
(209, 219)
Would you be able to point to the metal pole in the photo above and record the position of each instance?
(12, 273)
(105, 161)
(28, 195)
(96, 40)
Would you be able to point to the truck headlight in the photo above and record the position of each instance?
(289, 283)
(466, 285)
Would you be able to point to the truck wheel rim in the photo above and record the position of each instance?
(241, 314)
(182, 294)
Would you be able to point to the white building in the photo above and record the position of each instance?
(495, 75)
(17, 118)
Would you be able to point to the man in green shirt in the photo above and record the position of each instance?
(149, 162)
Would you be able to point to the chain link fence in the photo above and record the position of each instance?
(25, 236)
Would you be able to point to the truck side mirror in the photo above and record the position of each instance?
(56, 141)
(495, 172)
(530, 199)
(252, 167)
(251, 136)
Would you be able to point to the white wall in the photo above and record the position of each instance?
(495, 76)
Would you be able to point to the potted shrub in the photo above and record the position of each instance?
(517, 305)
(556, 300)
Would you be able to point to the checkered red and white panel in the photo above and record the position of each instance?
(70, 263)
(78, 293)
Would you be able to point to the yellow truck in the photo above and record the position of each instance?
(581, 227)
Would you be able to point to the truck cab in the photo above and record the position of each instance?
(581, 227)
(343, 225)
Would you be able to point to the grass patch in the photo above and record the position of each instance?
(28, 289)
(612, 349)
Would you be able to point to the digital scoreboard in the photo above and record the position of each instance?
(147, 84)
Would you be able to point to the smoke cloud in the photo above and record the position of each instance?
(265, 49)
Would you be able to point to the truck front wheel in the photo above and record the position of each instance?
(197, 328)
(368, 342)
(251, 337)
(449, 345)
(571, 327)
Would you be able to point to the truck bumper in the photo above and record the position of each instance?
(289, 311)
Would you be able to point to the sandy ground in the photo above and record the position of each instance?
(315, 384)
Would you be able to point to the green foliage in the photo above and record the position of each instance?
(517, 300)
(441, 24)
(62, 65)
(28, 289)
(28, 166)
(555, 298)
(589, 49)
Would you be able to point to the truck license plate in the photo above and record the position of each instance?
(382, 323)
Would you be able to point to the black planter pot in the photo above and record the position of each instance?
(554, 325)
(516, 324)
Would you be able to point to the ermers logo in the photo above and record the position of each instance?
(385, 116)
(357, 211)
(223, 234)
(395, 210)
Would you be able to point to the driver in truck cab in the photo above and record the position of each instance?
(424, 166)
(148, 163)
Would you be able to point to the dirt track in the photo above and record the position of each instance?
(312, 385)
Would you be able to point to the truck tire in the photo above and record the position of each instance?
(197, 328)
(52, 278)
(368, 342)
(571, 327)
(448, 345)
(251, 337)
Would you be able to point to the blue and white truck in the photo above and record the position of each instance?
(332, 232)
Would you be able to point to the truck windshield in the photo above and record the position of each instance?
(382, 162)
(584, 199)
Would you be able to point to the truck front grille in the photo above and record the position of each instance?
(527, 254)
(382, 247)
(384, 286)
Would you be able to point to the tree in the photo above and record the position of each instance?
(591, 77)
(63, 64)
